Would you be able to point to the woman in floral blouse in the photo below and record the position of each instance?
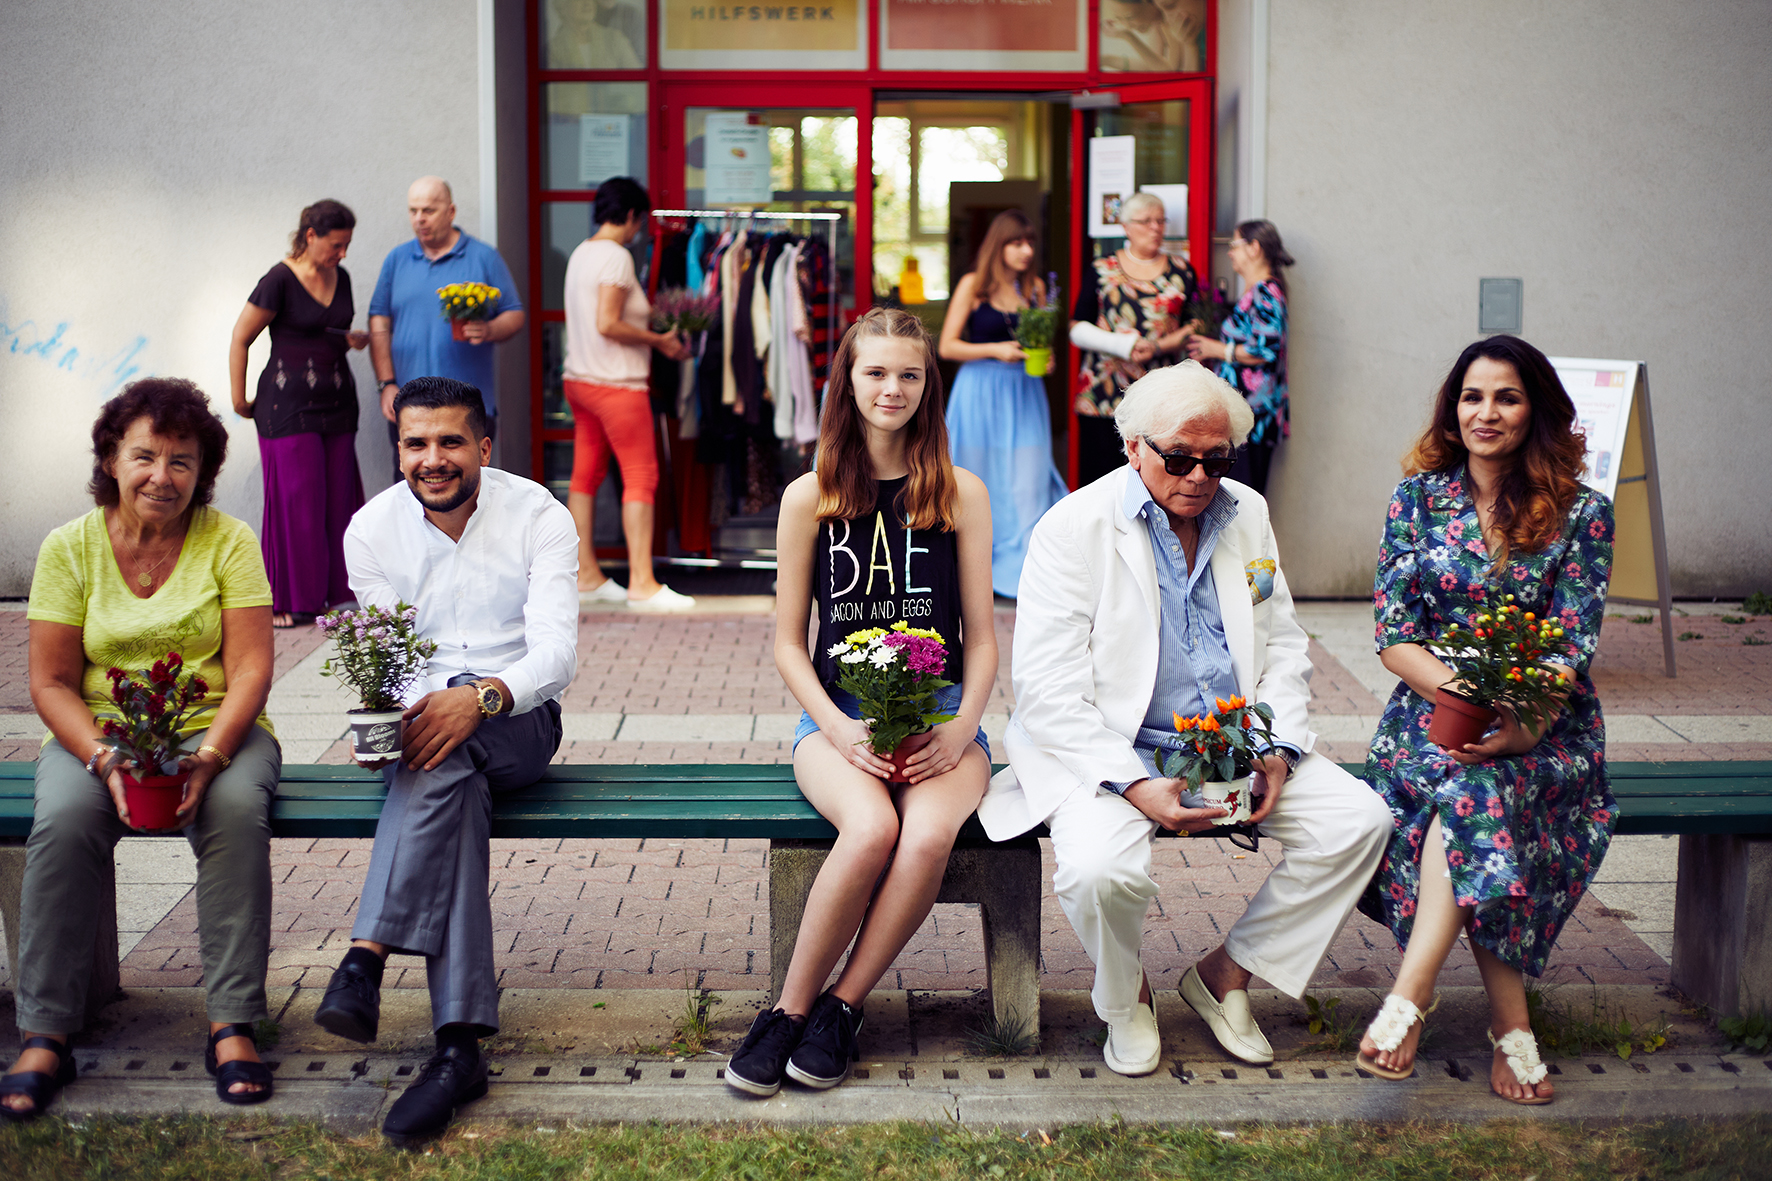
(1499, 838)
(1252, 354)
(1121, 324)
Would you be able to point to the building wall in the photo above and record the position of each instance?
(153, 162)
(1612, 154)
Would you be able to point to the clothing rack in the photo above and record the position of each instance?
(830, 219)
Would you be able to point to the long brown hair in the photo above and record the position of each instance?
(322, 217)
(847, 486)
(1011, 225)
(1262, 232)
(1535, 493)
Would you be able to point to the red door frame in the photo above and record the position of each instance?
(1198, 92)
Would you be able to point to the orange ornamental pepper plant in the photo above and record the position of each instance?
(1503, 659)
(1220, 746)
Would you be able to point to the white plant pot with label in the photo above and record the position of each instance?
(376, 734)
(1232, 796)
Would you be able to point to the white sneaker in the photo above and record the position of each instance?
(605, 592)
(1230, 1020)
(1135, 1046)
(664, 599)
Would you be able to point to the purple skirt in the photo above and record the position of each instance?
(312, 487)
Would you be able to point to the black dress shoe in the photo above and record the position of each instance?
(455, 1075)
(351, 1007)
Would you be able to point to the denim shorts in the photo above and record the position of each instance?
(949, 700)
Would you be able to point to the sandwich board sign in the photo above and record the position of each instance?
(1612, 408)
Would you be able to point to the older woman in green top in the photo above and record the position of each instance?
(153, 569)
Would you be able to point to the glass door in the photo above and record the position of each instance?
(1151, 137)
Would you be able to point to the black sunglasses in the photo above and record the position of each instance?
(1177, 464)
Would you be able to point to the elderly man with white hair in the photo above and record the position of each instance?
(1146, 594)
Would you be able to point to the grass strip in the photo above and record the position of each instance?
(198, 1147)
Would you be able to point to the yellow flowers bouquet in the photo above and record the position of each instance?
(468, 301)
(894, 674)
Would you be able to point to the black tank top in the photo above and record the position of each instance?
(873, 571)
(987, 325)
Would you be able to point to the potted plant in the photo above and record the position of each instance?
(894, 674)
(1501, 661)
(466, 301)
(152, 704)
(677, 309)
(1205, 313)
(1217, 755)
(379, 655)
(1035, 328)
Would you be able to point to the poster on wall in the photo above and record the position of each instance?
(737, 160)
(1601, 391)
(1174, 199)
(698, 36)
(593, 35)
(1110, 182)
(983, 35)
(602, 148)
(1153, 36)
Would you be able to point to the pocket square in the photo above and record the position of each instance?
(1260, 573)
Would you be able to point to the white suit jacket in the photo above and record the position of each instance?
(1085, 650)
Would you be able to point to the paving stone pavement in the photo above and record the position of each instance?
(627, 914)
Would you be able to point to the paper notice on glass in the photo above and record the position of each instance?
(1601, 391)
(1174, 198)
(1110, 183)
(602, 148)
(737, 155)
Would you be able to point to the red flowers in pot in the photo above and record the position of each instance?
(153, 705)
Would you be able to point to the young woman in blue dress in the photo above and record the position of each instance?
(1499, 838)
(999, 422)
(885, 529)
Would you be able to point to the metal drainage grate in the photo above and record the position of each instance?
(994, 1073)
(950, 1073)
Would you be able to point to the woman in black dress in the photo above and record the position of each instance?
(306, 412)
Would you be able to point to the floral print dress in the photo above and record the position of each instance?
(1524, 834)
(1258, 324)
(1120, 303)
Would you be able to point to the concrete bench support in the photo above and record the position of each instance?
(1723, 922)
(106, 980)
(1003, 879)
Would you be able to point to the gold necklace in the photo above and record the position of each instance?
(146, 577)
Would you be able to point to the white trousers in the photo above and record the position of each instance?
(1332, 826)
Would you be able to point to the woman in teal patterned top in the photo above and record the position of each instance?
(1499, 838)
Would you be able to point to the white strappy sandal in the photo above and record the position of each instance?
(1521, 1051)
(1387, 1031)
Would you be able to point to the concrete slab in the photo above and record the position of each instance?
(1345, 727)
(1638, 728)
(14, 727)
(1346, 630)
(145, 860)
(598, 727)
(1719, 727)
(686, 728)
(775, 727)
(1640, 859)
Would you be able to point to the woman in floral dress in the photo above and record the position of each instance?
(1500, 838)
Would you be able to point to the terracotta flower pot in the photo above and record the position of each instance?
(376, 734)
(903, 751)
(458, 329)
(1458, 720)
(1036, 361)
(153, 800)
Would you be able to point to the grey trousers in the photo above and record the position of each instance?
(74, 828)
(426, 889)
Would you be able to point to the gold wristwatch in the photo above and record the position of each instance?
(491, 700)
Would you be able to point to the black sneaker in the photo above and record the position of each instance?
(351, 1007)
(823, 1056)
(454, 1075)
(756, 1068)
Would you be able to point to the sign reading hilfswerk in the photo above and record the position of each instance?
(698, 35)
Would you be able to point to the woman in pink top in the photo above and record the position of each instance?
(609, 339)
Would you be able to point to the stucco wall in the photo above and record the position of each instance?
(153, 162)
(1613, 154)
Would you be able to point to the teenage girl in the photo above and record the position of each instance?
(999, 422)
(885, 529)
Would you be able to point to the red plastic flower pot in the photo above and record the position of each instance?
(1458, 720)
(902, 753)
(458, 329)
(153, 800)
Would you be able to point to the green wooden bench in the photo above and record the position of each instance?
(1722, 812)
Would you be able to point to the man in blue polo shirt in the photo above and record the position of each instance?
(408, 336)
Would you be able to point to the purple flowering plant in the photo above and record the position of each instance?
(380, 653)
(677, 309)
(894, 674)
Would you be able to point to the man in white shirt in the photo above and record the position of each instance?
(490, 561)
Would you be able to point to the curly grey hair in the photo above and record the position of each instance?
(1167, 399)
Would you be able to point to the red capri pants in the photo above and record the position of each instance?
(609, 417)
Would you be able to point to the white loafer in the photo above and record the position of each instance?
(664, 599)
(1135, 1046)
(1230, 1020)
(605, 592)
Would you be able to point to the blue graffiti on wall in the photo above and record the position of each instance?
(105, 374)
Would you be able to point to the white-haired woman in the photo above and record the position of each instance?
(1125, 320)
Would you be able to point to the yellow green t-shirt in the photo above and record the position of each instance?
(77, 582)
